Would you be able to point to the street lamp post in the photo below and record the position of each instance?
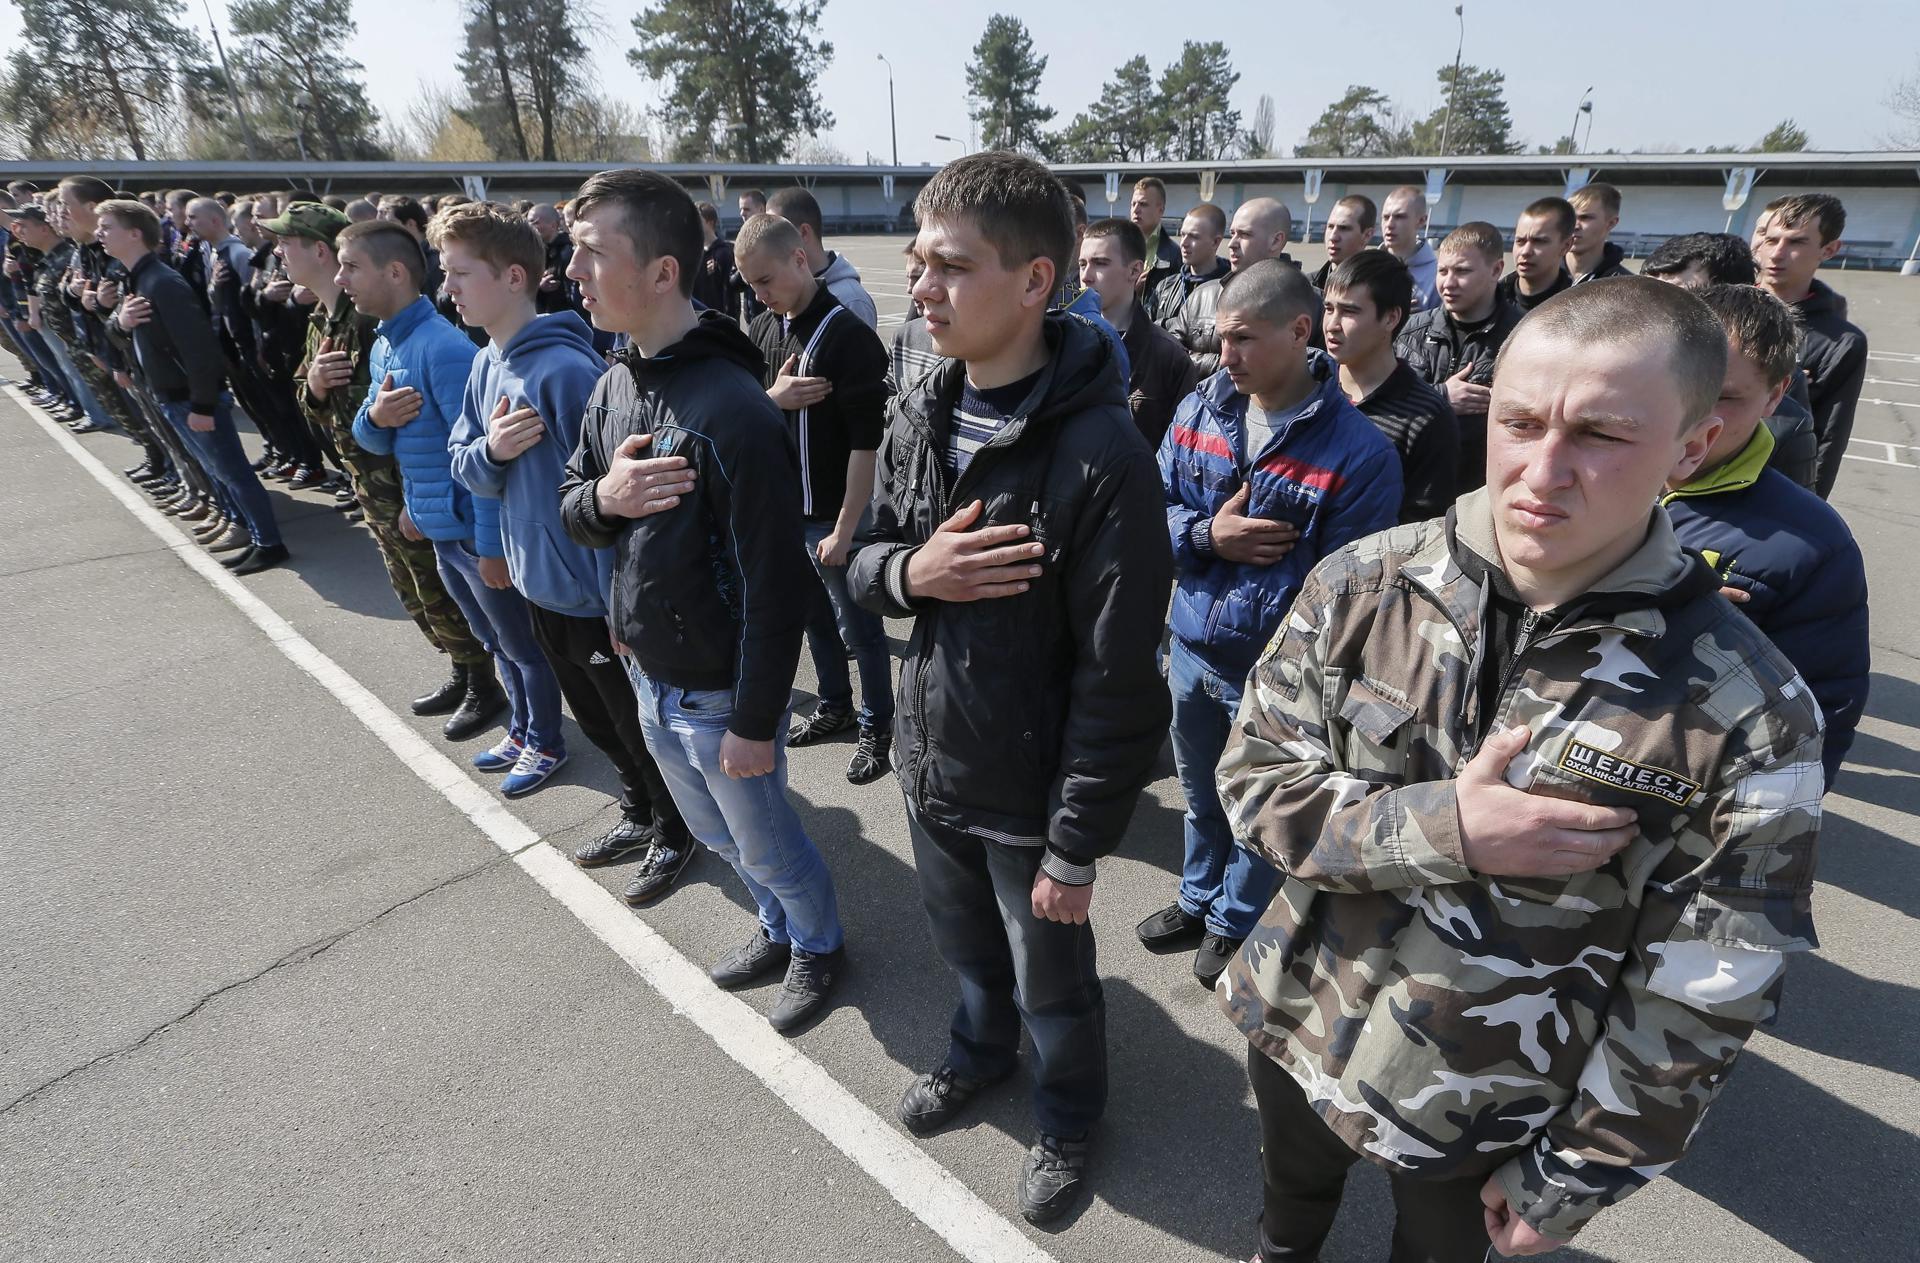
(893, 124)
(1453, 88)
(1585, 107)
(952, 140)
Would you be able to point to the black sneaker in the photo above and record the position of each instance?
(1050, 1182)
(622, 842)
(1172, 926)
(263, 557)
(1215, 953)
(659, 868)
(810, 979)
(869, 762)
(823, 723)
(754, 958)
(934, 1100)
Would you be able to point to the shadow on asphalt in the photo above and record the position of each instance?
(1802, 1166)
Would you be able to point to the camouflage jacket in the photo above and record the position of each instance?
(353, 333)
(1568, 1033)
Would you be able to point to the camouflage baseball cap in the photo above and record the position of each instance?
(312, 220)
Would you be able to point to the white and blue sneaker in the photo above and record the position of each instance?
(532, 771)
(502, 757)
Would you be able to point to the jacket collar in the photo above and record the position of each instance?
(398, 326)
(1736, 473)
(1630, 595)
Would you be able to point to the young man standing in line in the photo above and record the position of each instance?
(828, 373)
(709, 591)
(1267, 469)
(419, 365)
(1148, 211)
(1784, 556)
(1539, 253)
(330, 386)
(1349, 229)
(1453, 346)
(1364, 305)
(1547, 810)
(797, 207)
(1160, 373)
(752, 202)
(521, 419)
(1260, 230)
(1201, 232)
(176, 351)
(1591, 255)
(1018, 520)
(713, 284)
(1802, 232)
(1697, 260)
(1403, 231)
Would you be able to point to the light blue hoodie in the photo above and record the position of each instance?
(551, 367)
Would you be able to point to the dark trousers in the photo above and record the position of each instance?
(601, 697)
(1014, 967)
(1305, 1166)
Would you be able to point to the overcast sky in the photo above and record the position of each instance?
(1663, 73)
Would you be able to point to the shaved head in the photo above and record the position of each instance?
(1270, 291)
(1669, 323)
(1261, 230)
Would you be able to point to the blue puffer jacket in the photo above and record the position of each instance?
(1798, 563)
(551, 367)
(1329, 472)
(422, 349)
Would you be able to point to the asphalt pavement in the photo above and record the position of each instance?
(271, 993)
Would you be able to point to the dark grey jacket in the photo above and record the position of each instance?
(177, 349)
(1038, 716)
(714, 592)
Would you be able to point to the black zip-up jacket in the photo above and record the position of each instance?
(1435, 346)
(714, 592)
(1834, 353)
(1035, 717)
(1796, 448)
(1162, 374)
(1164, 301)
(835, 344)
(1509, 289)
(1611, 264)
(176, 349)
(713, 284)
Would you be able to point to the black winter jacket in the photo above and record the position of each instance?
(1161, 375)
(1796, 448)
(1039, 716)
(1834, 353)
(714, 592)
(1169, 294)
(177, 349)
(1612, 263)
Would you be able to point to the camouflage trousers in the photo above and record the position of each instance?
(107, 391)
(410, 564)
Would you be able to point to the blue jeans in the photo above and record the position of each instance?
(501, 623)
(836, 625)
(225, 462)
(1227, 884)
(52, 376)
(77, 388)
(1014, 968)
(747, 822)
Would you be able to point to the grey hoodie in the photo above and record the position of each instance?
(842, 280)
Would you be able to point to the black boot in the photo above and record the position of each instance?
(446, 697)
(484, 701)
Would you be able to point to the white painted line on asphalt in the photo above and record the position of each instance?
(925, 1189)
(1892, 451)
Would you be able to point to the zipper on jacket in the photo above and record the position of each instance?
(1529, 628)
(929, 460)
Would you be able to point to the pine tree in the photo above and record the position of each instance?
(744, 74)
(1004, 77)
(1195, 95)
(109, 68)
